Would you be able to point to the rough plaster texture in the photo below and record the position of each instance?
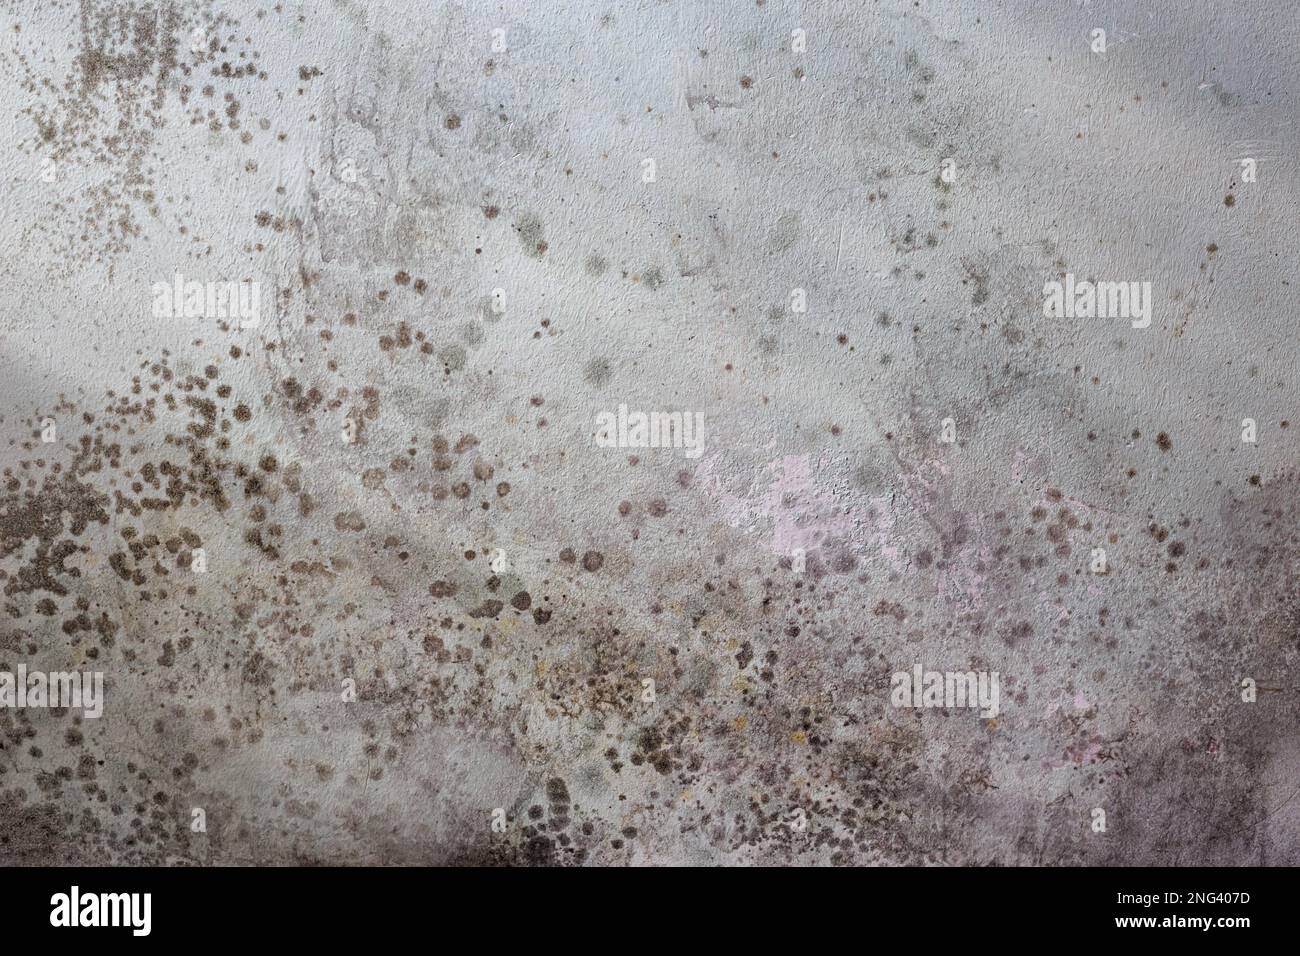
(379, 169)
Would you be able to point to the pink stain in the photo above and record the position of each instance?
(1076, 755)
(802, 515)
(798, 512)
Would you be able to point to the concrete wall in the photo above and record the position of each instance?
(435, 586)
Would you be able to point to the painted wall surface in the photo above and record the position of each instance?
(326, 334)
